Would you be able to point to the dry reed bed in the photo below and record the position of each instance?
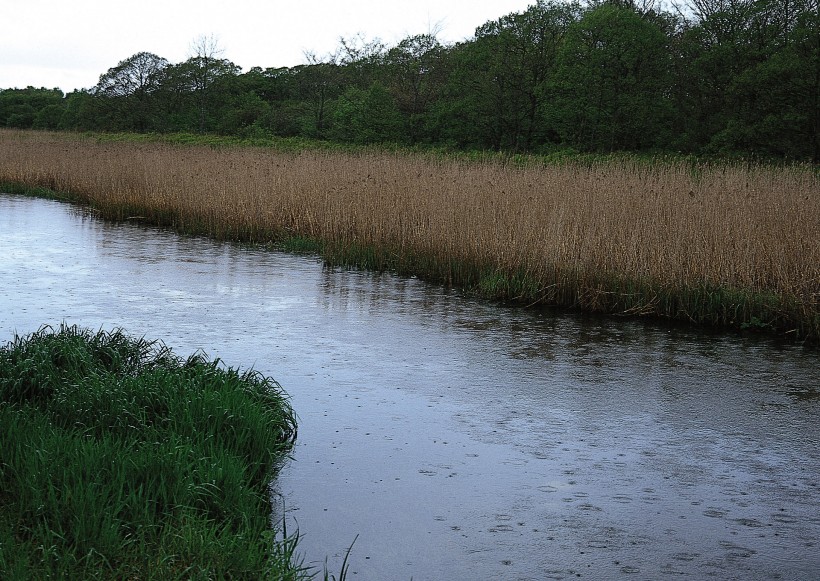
(724, 245)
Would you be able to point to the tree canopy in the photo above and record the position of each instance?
(716, 77)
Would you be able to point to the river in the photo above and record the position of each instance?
(456, 439)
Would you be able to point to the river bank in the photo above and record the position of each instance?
(720, 246)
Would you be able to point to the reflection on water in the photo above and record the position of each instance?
(457, 439)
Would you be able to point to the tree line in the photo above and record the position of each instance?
(711, 77)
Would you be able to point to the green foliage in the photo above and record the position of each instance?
(369, 116)
(416, 71)
(730, 78)
(24, 108)
(774, 100)
(119, 460)
(610, 81)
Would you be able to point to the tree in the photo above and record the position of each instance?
(317, 84)
(359, 61)
(774, 101)
(82, 112)
(500, 86)
(287, 113)
(749, 77)
(611, 81)
(415, 71)
(369, 116)
(138, 74)
(128, 88)
(20, 108)
(49, 117)
(203, 72)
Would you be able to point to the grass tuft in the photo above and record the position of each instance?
(119, 460)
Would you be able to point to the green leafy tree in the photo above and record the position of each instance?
(82, 112)
(317, 84)
(20, 108)
(500, 86)
(207, 76)
(195, 93)
(242, 115)
(288, 113)
(748, 77)
(50, 117)
(773, 101)
(360, 61)
(611, 81)
(126, 92)
(416, 71)
(369, 116)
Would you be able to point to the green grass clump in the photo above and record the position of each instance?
(33, 191)
(119, 460)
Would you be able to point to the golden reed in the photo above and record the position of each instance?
(726, 245)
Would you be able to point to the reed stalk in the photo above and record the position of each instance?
(721, 245)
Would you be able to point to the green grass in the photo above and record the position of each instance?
(119, 460)
(34, 192)
(548, 156)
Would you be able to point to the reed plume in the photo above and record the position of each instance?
(729, 245)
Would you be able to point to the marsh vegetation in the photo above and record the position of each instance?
(721, 245)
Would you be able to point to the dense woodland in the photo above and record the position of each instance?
(709, 77)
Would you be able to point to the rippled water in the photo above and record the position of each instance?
(455, 439)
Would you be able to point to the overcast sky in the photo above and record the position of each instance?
(70, 43)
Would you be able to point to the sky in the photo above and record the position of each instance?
(68, 44)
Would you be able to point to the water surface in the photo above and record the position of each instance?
(454, 439)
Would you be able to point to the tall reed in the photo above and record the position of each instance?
(725, 245)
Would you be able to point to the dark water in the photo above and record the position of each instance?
(457, 439)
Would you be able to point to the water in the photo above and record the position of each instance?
(454, 439)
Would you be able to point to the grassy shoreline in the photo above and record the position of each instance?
(726, 246)
(119, 460)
